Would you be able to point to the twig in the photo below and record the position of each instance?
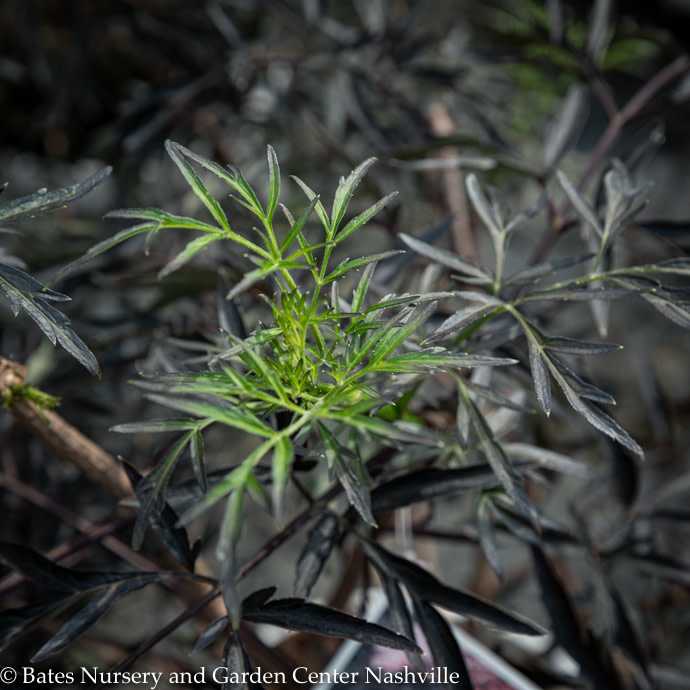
(464, 241)
(64, 440)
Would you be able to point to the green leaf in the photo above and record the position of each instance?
(364, 217)
(282, 459)
(344, 266)
(274, 183)
(297, 227)
(154, 426)
(320, 210)
(103, 247)
(231, 416)
(344, 192)
(175, 151)
(188, 253)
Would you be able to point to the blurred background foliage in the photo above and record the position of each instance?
(88, 83)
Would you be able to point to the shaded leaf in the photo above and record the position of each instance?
(444, 646)
(483, 208)
(43, 201)
(165, 522)
(540, 374)
(296, 614)
(210, 633)
(448, 259)
(90, 614)
(399, 613)
(565, 126)
(581, 206)
(23, 292)
(424, 586)
(427, 484)
(487, 537)
(321, 539)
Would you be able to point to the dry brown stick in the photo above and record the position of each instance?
(464, 241)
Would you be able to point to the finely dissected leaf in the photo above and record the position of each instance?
(103, 246)
(210, 633)
(188, 253)
(18, 623)
(423, 585)
(444, 646)
(232, 416)
(43, 201)
(572, 346)
(226, 552)
(429, 358)
(274, 183)
(321, 539)
(448, 259)
(487, 537)
(39, 569)
(296, 228)
(534, 274)
(320, 210)
(234, 663)
(399, 613)
(165, 522)
(354, 480)
(564, 622)
(677, 311)
(360, 291)
(90, 614)
(540, 374)
(348, 265)
(581, 206)
(394, 337)
(565, 127)
(344, 193)
(176, 152)
(196, 448)
(23, 292)
(154, 426)
(484, 209)
(600, 420)
(427, 484)
(495, 397)
(462, 319)
(151, 489)
(547, 459)
(296, 614)
(364, 217)
(282, 459)
(501, 465)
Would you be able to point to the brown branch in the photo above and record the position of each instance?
(61, 438)
(464, 242)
